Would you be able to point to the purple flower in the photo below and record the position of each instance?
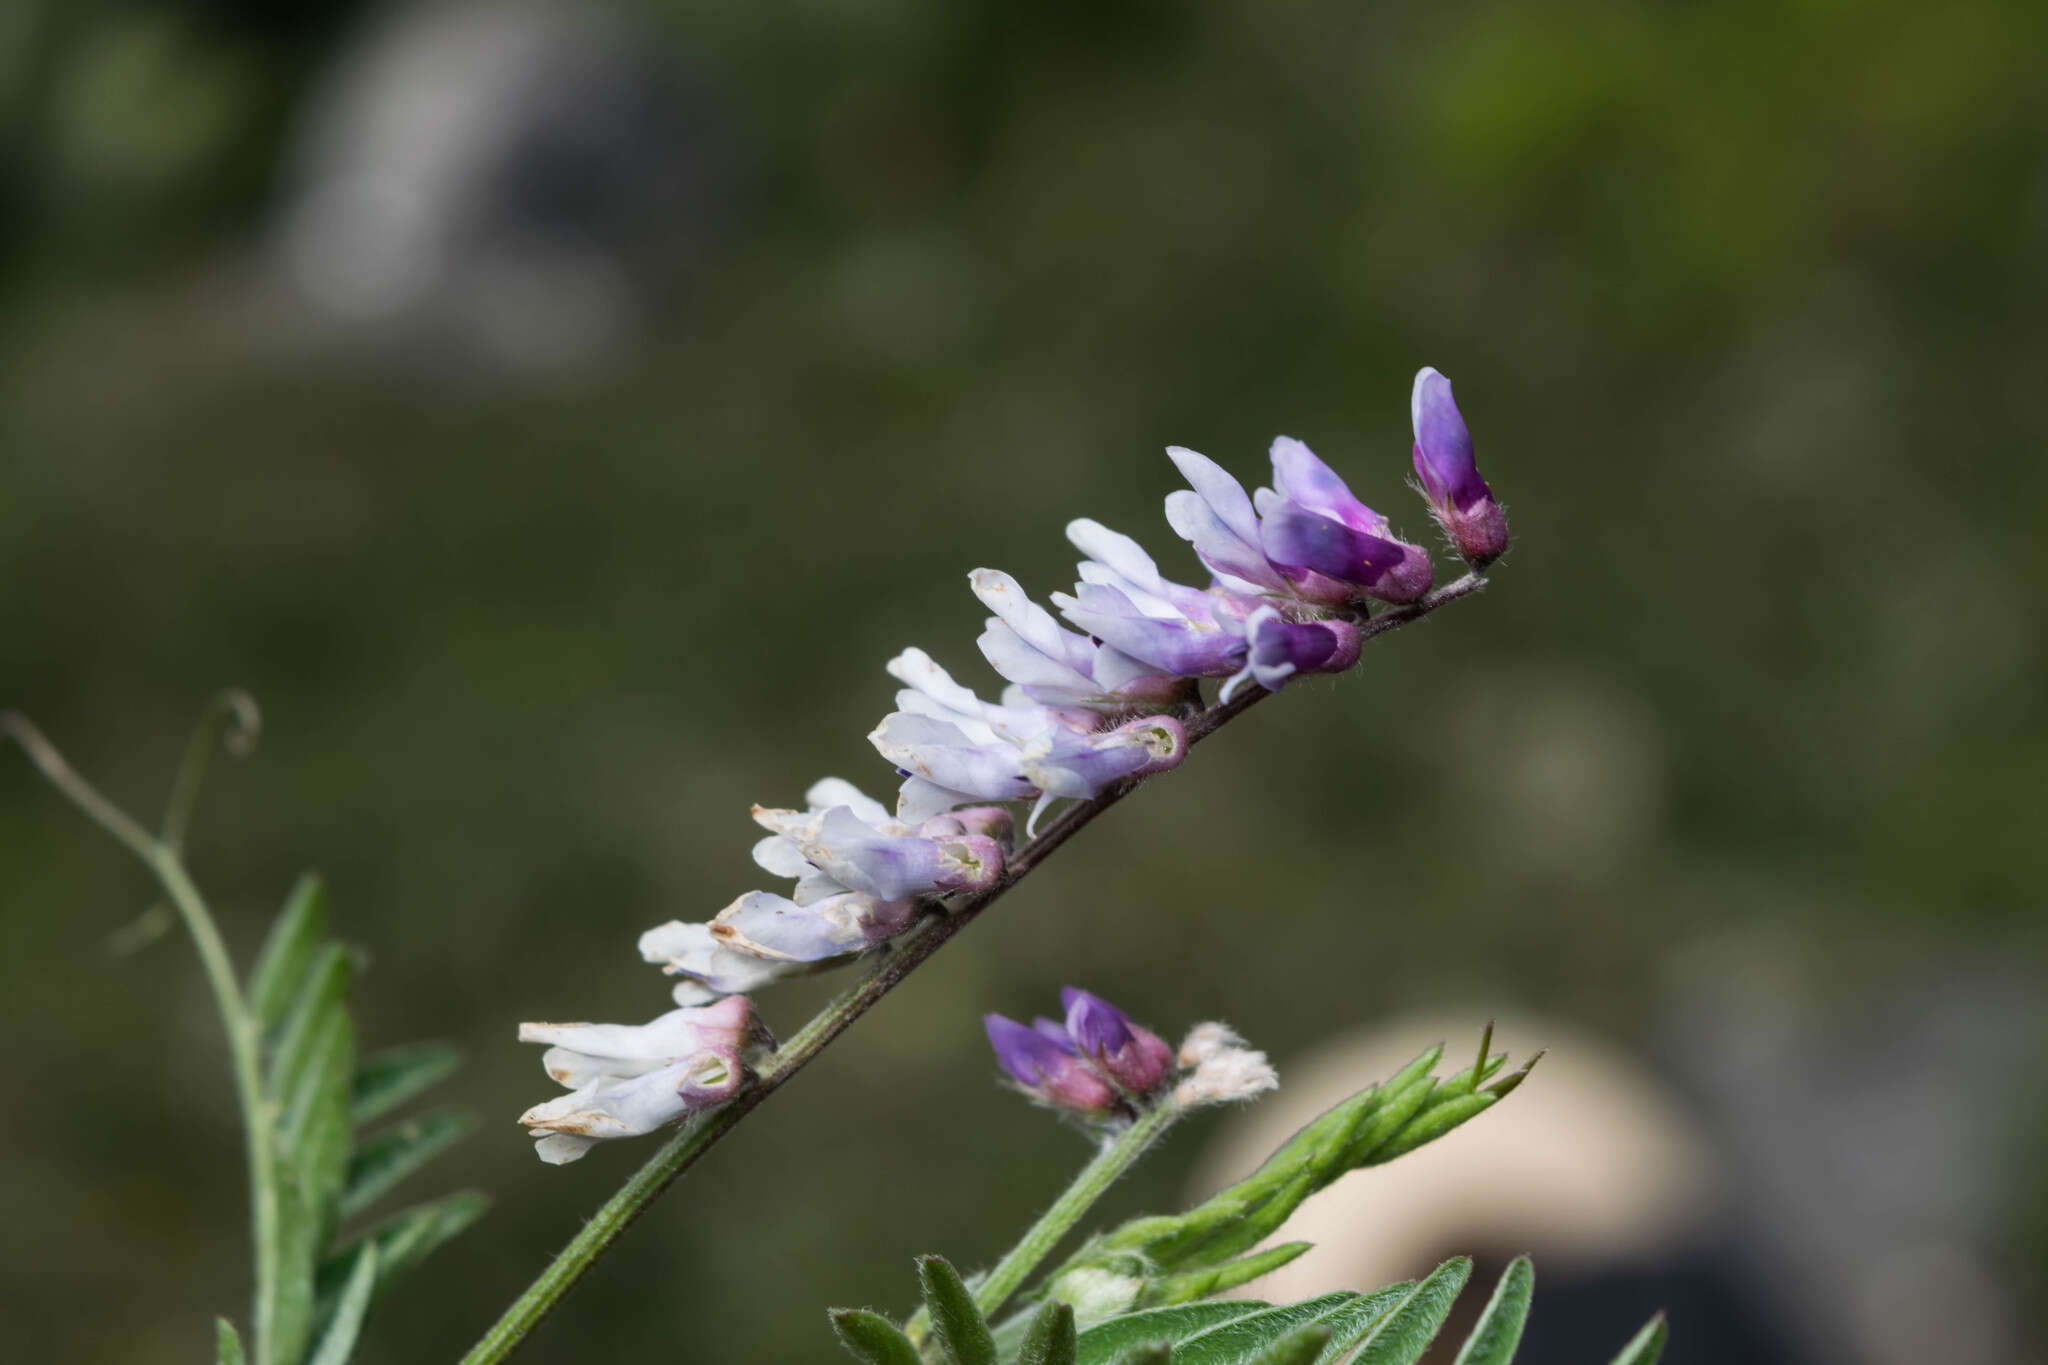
(1326, 542)
(1449, 474)
(955, 748)
(1123, 601)
(1216, 516)
(1135, 1058)
(1048, 1068)
(626, 1080)
(1053, 665)
(1281, 648)
(847, 841)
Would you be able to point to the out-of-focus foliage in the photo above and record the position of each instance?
(1744, 303)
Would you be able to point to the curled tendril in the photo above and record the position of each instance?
(235, 723)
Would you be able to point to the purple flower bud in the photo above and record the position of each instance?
(1132, 1056)
(1463, 504)
(1050, 1072)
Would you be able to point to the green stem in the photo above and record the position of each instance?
(902, 957)
(257, 1121)
(1118, 1155)
(162, 860)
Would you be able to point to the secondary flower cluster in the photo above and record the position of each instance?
(1098, 1064)
(1088, 703)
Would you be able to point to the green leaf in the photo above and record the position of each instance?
(1195, 1285)
(1300, 1347)
(321, 994)
(1050, 1340)
(1107, 1341)
(1645, 1346)
(230, 1343)
(402, 1240)
(298, 1243)
(287, 952)
(314, 1132)
(1239, 1342)
(872, 1337)
(1403, 1102)
(1499, 1332)
(1433, 1122)
(405, 1239)
(1147, 1353)
(340, 1337)
(1352, 1323)
(384, 1080)
(957, 1325)
(380, 1163)
(1404, 1333)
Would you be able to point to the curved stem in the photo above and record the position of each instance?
(901, 958)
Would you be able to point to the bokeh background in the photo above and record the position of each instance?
(556, 413)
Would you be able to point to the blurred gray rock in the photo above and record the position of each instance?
(496, 186)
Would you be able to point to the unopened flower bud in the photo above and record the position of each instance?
(994, 823)
(1095, 1293)
(1134, 1057)
(968, 862)
(1463, 504)
(1049, 1069)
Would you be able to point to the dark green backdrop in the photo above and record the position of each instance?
(1744, 303)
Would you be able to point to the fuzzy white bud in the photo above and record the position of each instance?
(1221, 1069)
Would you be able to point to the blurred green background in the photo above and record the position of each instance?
(1747, 305)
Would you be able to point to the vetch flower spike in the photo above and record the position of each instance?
(1449, 473)
(627, 1080)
